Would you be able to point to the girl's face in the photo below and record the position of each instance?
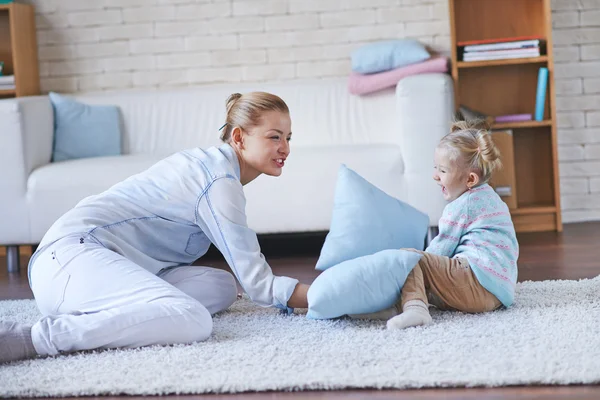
(264, 148)
(453, 179)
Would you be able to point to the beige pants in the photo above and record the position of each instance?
(448, 284)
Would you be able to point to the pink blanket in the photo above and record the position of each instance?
(363, 84)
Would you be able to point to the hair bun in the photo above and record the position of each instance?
(231, 100)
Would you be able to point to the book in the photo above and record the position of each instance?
(7, 80)
(501, 57)
(522, 44)
(540, 96)
(502, 48)
(499, 40)
(504, 181)
(502, 52)
(513, 118)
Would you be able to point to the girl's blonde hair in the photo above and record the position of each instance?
(246, 110)
(470, 143)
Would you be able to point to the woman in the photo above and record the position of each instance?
(114, 272)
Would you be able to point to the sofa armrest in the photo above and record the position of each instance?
(425, 106)
(26, 134)
(30, 121)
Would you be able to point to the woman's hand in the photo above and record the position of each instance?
(299, 298)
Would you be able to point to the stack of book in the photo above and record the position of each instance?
(7, 82)
(500, 49)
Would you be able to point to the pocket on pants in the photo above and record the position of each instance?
(49, 281)
(60, 284)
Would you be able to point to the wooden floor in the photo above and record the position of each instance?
(572, 254)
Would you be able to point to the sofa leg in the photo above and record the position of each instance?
(12, 258)
(431, 233)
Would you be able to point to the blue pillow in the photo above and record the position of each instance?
(82, 130)
(366, 220)
(363, 285)
(387, 55)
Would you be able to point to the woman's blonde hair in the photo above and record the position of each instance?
(246, 110)
(470, 143)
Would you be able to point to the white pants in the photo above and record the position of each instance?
(93, 298)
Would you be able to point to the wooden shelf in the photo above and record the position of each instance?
(521, 124)
(495, 63)
(509, 86)
(18, 49)
(541, 209)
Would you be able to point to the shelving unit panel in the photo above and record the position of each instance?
(535, 222)
(495, 19)
(521, 124)
(534, 167)
(27, 77)
(5, 42)
(495, 63)
(487, 89)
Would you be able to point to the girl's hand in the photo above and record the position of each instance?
(299, 298)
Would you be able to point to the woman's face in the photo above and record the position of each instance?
(266, 146)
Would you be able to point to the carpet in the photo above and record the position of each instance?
(551, 336)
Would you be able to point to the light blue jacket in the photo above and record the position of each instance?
(169, 215)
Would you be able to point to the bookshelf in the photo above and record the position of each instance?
(508, 86)
(18, 49)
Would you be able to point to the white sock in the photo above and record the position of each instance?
(383, 315)
(414, 313)
(15, 342)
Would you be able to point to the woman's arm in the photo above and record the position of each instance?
(221, 216)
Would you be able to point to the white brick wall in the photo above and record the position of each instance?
(87, 45)
(576, 35)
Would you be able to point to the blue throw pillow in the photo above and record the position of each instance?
(363, 285)
(82, 130)
(367, 220)
(387, 55)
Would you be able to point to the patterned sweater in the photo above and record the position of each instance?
(478, 227)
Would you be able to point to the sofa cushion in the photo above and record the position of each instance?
(367, 220)
(82, 130)
(323, 114)
(386, 55)
(363, 285)
(307, 186)
(55, 188)
(366, 84)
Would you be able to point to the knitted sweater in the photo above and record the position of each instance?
(478, 227)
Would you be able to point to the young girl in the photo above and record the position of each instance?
(115, 270)
(471, 266)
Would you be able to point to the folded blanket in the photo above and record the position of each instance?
(363, 84)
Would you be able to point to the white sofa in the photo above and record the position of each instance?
(387, 137)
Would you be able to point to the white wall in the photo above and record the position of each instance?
(98, 44)
(577, 72)
(105, 44)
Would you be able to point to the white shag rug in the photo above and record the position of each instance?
(550, 336)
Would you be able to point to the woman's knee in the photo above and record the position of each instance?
(200, 323)
(226, 290)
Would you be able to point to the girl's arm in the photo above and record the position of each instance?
(452, 225)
